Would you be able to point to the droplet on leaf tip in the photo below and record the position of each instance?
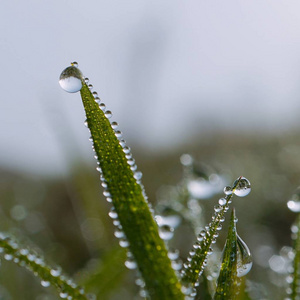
(71, 79)
(242, 187)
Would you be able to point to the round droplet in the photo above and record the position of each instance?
(173, 254)
(108, 114)
(123, 243)
(70, 79)
(243, 187)
(244, 258)
(222, 201)
(227, 190)
(166, 232)
(294, 203)
(55, 272)
(45, 283)
(130, 263)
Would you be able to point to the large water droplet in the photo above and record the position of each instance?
(244, 259)
(243, 187)
(294, 203)
(70, 79)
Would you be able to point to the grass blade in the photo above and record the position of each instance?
(227, 285)
(196, 263)
(127, 196)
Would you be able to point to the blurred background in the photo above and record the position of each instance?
(217, 80)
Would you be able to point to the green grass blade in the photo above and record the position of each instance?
(127, 195)
(227, 284)
(12, 251)
(196, 263)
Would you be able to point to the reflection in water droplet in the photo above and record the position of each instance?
(45, 283)
(243, 188)
(227, 190)
(108, 114)
(166, 232)
(294, 203)
(244, 259)
(70, 79)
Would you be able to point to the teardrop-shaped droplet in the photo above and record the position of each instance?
(244, 259)
(71, 79)
(294, 203)
(243, 188)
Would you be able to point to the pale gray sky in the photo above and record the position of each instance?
(165, 68)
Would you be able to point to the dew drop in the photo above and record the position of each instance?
(45, 283)
(244, 259)
(173, 254)
(86, 80)
(227, 190)
(243, 188)
(138, 175)
(130, 263)
(123, 243)
(108, 114)
(113, 214)
(294, 203)
(102, 106)
(8, 257)
(114, 125)
(55, 272)
(70, 79)
(222, 201)
(166, 232)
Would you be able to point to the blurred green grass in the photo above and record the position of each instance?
(66, 217)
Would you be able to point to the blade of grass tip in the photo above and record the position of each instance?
(124, 189)
(227, 284)
(294, 278)
(197, 261)
(24, 257)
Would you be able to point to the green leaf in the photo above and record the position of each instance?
(202, 248)
(127, 195)
(227, 284)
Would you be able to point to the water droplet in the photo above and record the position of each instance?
(243, 188)
(86, 80)
(186, 160)
(227, 190)
(118, 133)
(113, 214)
(166, 232)
(123, 243)
(55, 272)
(114, 125)
(173, 254)
(130, 263)
(74, 64)
(70, 79)
(8, 257)
(108, 114)
(294, 203)
(138, 175)
(63, 295)
(90, 86)
(45, 283)
(244, 259)
(119, 234)
(102, 106)
(177, 265)
(222, 201)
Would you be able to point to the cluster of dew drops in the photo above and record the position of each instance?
(244, 258)
(71, 80)
(21, 255)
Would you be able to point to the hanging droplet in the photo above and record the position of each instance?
(130, 263)
(244, 259)
(45, 283)
(294, 203)
(166, 232)
(222, 201)
(173, 254)
(227, 190)
(71, 79)
(243, 187)
(108, 114)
